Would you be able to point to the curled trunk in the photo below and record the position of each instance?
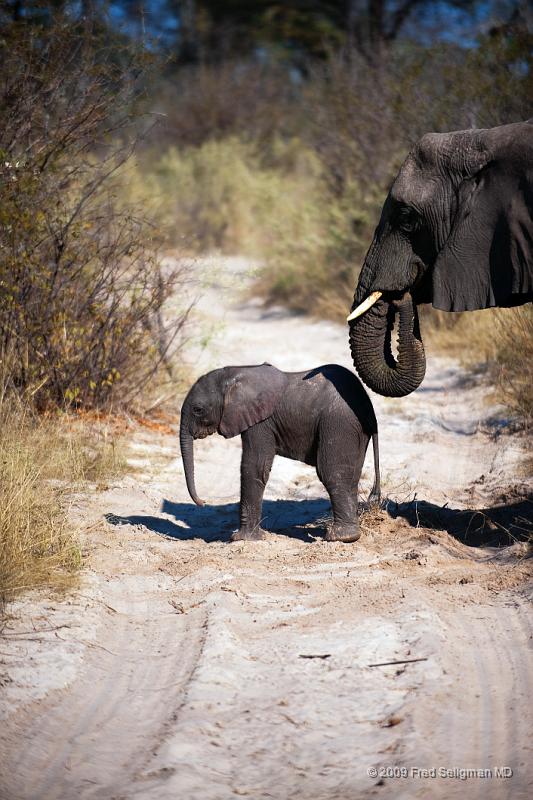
(187, 454)
(370, 343)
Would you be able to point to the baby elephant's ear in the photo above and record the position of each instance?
(251, 396)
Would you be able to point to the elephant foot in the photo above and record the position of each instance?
(339, 532)
(255, 535)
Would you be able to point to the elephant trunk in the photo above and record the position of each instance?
(187, 454)
(370, 343)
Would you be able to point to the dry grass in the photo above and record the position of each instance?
(499, 339)
(514, 359)
(41, 462)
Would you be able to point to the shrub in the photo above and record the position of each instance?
(225, 194)
(272, 203)
(81, 288)
(209, 194)
(234, 98)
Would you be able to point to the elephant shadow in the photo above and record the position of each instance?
(497, 526)
(217, 522)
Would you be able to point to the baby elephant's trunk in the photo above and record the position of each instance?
(187, 454)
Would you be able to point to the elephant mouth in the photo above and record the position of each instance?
(204, 433)
(392, 298)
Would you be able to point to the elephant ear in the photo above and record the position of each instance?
(487, 259)
(251, 396)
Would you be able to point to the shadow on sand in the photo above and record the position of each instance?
(498, 526)
(216, 523)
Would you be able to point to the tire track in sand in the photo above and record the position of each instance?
(89, 741)
(480, 720)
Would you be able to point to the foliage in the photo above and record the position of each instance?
(81, 288)
(315, 245)
(296, 31)
(236, 97)
(224, 194)
(275, 206)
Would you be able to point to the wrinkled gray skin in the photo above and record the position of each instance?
(322, 417)
(456, 231)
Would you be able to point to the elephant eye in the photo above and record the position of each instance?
(407, 219)
(197, 410)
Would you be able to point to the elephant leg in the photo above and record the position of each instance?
(339, 467)
(258, 451)
(345, 526)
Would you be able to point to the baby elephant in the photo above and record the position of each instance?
(323, 417)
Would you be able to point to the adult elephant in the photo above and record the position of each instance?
(456, 231)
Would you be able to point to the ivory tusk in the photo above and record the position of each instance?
(364, 306)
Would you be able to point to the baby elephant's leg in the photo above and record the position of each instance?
(345, 526)
(258, 450)
(339, 466)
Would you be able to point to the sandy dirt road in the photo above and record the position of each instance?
(188, 668)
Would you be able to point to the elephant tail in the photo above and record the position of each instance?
(375, 495)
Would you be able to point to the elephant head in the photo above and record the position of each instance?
(456, 231)
(228, 401)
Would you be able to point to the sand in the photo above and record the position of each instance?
(187, 667)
